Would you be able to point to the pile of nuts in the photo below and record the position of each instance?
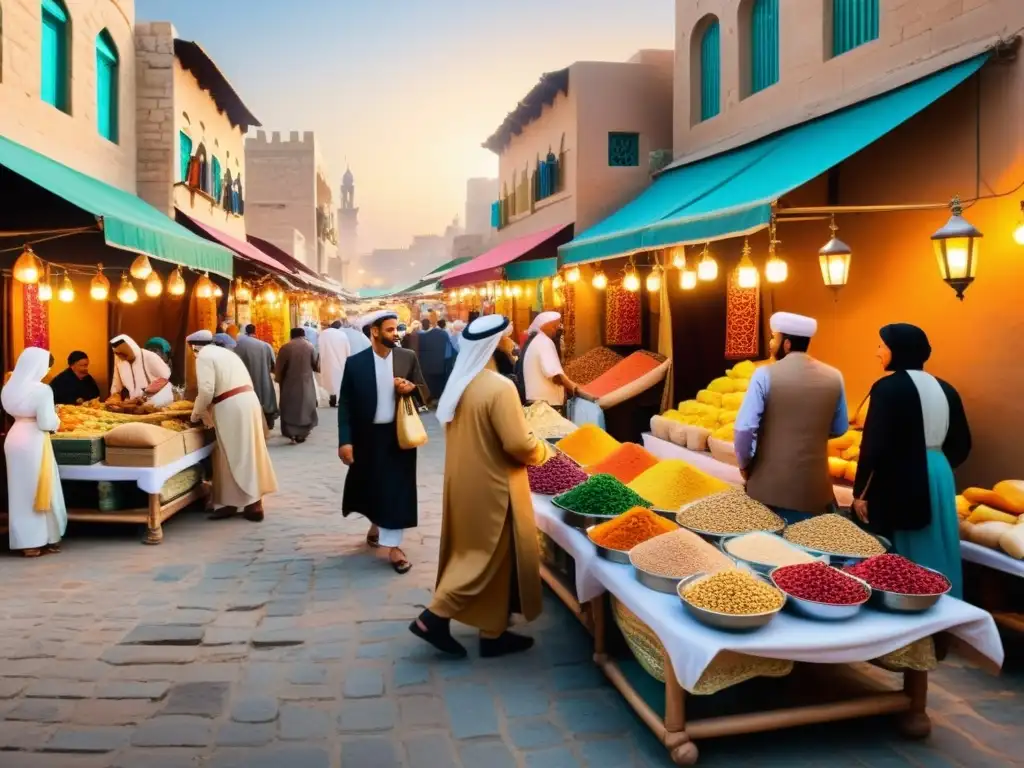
(591, 365)
(677, 555)
(834, 534)
(766, 549)
(892, 573)
(734, 592)
(729, 512)
(820, 583)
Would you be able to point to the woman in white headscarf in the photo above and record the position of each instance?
(139, 373)
(489, 564)
(36, 514)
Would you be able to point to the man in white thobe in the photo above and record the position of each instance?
(334, 352)
(543, 376)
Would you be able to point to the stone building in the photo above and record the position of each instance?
(66, 123)
(348, 228)
(289, 198)
(189, 117)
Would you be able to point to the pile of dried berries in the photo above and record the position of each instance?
(557, 475)
(892, 573)
(820, 583)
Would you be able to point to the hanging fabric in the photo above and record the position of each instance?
(742, 318)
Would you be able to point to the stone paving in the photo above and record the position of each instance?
(284, 645)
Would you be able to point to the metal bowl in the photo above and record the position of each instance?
(728, 621)
(716, 538)
(897, 602)
(666, 584)
(606, 553)
(668, 514)
(753, 565)
(840, 559)
(813, 609)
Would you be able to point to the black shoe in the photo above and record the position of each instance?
(333, 402)
(438, 634)
(507, 643)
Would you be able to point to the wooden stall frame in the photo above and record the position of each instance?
(153, 517)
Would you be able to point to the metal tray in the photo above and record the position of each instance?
(605, 553)
(753, 565)
(897, 602)
(665, 584)
(840, 559)
(728, 621)
(813, 609)
(581, 522)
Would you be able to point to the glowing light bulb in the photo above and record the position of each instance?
(573, 275)
(28, 268)
(242, 292)
(204, 287)
(776, 270)
(631, 282)
(217, 291)
(126, 293)
(679, 257)
(154, 285)
(707, 269)
(141, 268)
(556, 282)
(688, 279)
(654, 280)
(176, 283)
(67, 290)
(746, 272)
(45, 291)
(600, 281)
(99, 286)
(482, 291)
(517, 291)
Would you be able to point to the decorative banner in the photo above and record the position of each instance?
(622, 317)
(742, 320)
(37, 318)
(569, 322)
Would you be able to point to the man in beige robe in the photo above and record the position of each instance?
(489, 565)
(242, 472)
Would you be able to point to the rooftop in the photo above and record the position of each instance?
(541, 95)
(194, 59)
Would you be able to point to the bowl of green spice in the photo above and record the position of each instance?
(599, 499)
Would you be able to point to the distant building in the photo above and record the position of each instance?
(348, 228)
(480, 193)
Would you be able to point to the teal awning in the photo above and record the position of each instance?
(128, 222)
(535, 269)
(732, 193)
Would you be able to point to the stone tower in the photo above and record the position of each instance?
(348, 226)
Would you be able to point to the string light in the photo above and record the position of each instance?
(654, 280)
(707, 269)
(154, 285)
(631, 282)
(217, 291)
(176, 283)
(688, 279)
(746, 272)
(28, 268)
(775, 269)
(483, 291)
(127, 294)
(556, 282)
(204, 287)
(573, 275)
(1018, 233)
(600, 281)
(45, 288)
(242, 292)
(679, 257)
(99, 286)
(67, 289)
(517, 291)
(141, 268)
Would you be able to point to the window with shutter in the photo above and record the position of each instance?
(55, 59)
(106, 86)
(854, 22)
(215, 178)
(710, 71)
(764, 44)
(184, 154)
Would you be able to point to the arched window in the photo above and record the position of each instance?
(107, 80)
(764, 44)
(215, 178)
(710, 71)
(184, 154)
(55, 55)
(854, 22)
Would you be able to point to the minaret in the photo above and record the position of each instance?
(348, 225)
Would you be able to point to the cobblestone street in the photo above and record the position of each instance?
(284, 645)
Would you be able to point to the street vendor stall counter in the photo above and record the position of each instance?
(995, 580)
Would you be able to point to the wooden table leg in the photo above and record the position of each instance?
(597, 615)
(681, 749)
(915, 723)
(154, 527)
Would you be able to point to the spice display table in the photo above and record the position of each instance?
(994, 590)
(691, 649)
(705, 462)
(150, 480)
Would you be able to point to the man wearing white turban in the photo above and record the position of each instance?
(139, 373)
(542, 375)
(790, 411)
(489, 561)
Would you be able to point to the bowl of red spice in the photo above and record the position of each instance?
(819, 591)
(900, 585)
(614, 539)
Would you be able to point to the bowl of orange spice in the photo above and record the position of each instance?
(615, 538)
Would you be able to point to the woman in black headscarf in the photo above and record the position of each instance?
(915, 434)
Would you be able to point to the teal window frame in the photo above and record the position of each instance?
(55, 58)
(108, 78)
(711, 71)
(184, 154)
(623, 149)
(764, 44)
(216, 178)
(854, 23)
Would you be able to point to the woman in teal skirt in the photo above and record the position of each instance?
(915, 434)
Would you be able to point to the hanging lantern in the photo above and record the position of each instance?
(517, 291)
(67, 289)
(746, 272)
(600, 280)
(242, 292)
(556, 282)
(956, 249)
(775, 269)
(154, 285)
(217, 291)
(631, 282)
(483, 291)
(45, 289)
(834, 259)
(688, 279)
(573, 275)
(126, 293)
(99, 286)
(269, 294)
(141, 268)
(678, 257)
(204, 287)
(654, 280)
(28, 268)
(508, 292)
(176, 283)
(1018, 233)
(707, 268)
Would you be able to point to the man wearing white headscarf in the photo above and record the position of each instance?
(542, 374)
(489, 564)
(457, 328)
(139, 373)
(782, 430)
(35, 503)
(334, 351)
(357, 341)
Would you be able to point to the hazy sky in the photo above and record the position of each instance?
(406, 90)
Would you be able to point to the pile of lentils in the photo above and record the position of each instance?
(734, 592)
(892, 573)
(729, 512)
(591, 365)
(677, 555)
(601, 496)
(766, 549)
(834, 534)
(557, 475)
(819, 583)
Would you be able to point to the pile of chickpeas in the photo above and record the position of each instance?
(734, 592)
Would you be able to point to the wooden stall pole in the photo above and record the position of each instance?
(915, 723)
(597, 616)
(154, 525)
(681, 749)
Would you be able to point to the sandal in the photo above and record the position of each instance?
(402, 565)
(223, 513)
(31, 553)
(373, 540)
(51, 549)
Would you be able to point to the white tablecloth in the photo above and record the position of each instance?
(149, 479)
(691, 646)
(707, 463)
(991, 558)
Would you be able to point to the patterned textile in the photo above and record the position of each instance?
(622, 316)
(569, 322)
(37, 318)
(742, 321)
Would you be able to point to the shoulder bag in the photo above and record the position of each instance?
(411, 432)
